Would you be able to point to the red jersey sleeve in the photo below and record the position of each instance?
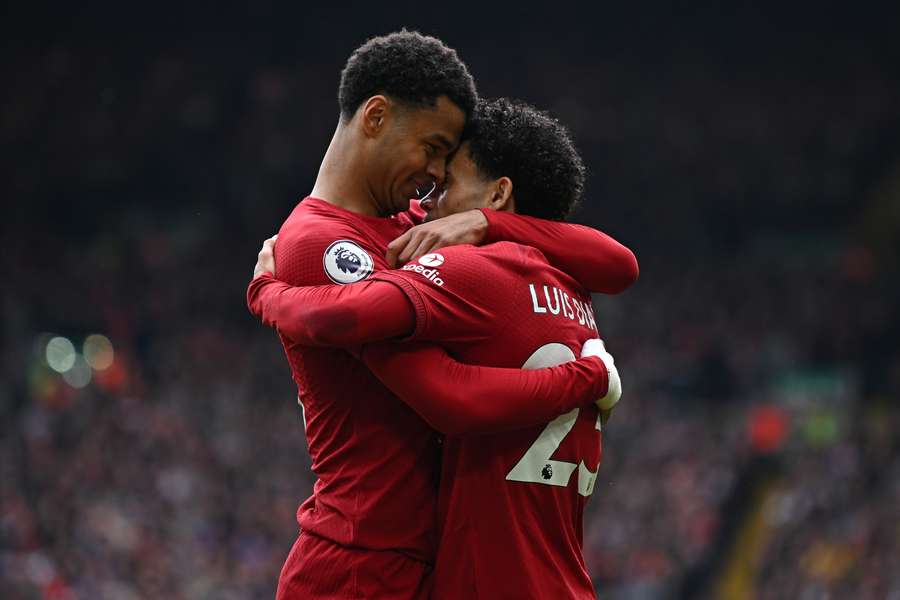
(331, 315)
(458, 293)
(595, 260)
(322, 251)
(456, 398)
(316, 249)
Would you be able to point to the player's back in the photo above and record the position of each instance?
(510, 505)
(375, 459)
(511, 509)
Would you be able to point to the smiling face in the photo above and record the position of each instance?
(464, 188)
(412, 151)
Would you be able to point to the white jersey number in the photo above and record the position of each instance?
(536, 466)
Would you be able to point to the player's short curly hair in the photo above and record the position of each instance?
(407, 66)
(509, 138)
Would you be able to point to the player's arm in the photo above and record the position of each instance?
(456, 398)
(452, 397)
(598, 262)
(331, 315)
(323, 315)
(595, 260)
(466, 305)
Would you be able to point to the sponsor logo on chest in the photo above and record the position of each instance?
(548, 299)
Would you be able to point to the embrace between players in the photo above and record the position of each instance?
(453, 430)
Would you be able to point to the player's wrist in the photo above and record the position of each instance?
(596, 348)
(482, 221)
(613, 386)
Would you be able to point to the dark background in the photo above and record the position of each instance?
(750, 156)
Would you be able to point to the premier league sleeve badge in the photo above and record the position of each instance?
(346, 262)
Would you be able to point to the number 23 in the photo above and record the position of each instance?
(536, 466)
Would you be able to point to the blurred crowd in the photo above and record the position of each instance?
(758, 430)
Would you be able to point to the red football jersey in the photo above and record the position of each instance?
(375, 459)
(511, 504)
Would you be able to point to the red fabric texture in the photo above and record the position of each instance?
(331, 315)
(502, 537)
(596, 261)
(451, 396)
(317, 568)
(444, 392)
(374, 500)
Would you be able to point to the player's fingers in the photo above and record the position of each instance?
(614, 385)
(413, 240)
(265, 260)
(429, 243)
(396, 247)
(411, 252)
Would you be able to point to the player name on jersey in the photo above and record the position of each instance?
(561, 304)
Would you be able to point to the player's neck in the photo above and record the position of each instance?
(339, 181)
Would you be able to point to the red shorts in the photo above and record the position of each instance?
(319, 568)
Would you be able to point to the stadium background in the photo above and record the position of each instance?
(749, 156)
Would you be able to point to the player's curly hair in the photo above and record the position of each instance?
(407, 66)
(509, 138)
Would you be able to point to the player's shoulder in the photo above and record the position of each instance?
(486, 268)
(512, 255)
(498, 254)
(517, 260)
(314, 217)
(515, 250)
(318, 245)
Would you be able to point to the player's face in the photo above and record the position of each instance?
(413, 152)
(464, 188)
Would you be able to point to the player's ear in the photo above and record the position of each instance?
(374, 113)
(502, 195)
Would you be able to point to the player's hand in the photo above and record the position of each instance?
(265, 260)
(596, 347)
(467, 227)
